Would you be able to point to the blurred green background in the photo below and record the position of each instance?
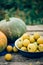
(31, 11)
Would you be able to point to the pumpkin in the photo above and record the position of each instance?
(3, 41)
(13, 28)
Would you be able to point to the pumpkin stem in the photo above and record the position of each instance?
(6, 17)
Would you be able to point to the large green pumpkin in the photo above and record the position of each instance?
(13, 28)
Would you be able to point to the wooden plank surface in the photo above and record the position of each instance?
(35, 28)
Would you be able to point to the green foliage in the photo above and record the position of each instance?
(31, 11)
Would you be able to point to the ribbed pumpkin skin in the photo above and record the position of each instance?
(3, 41)
(13, 28)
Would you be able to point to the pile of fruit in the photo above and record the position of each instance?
(27, 43)
(8, 56)
(10, 29)
(31, 43)
(14, 28)
(3, 46)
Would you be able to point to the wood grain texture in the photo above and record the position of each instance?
(35, 28)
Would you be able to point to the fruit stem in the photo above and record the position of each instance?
(7, 17)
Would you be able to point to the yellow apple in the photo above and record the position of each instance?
(37, 50)
(15, 49)
(32, 39)
(40, 40)
(8, 57)
(9, 48)
(26, 42)
(41, 47)
(25, 36)
(36, 35)
(32, 48)
(23, 48)
(20, 43)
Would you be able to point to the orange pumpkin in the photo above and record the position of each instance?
(3, 41)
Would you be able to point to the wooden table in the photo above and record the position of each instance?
(20, 60)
